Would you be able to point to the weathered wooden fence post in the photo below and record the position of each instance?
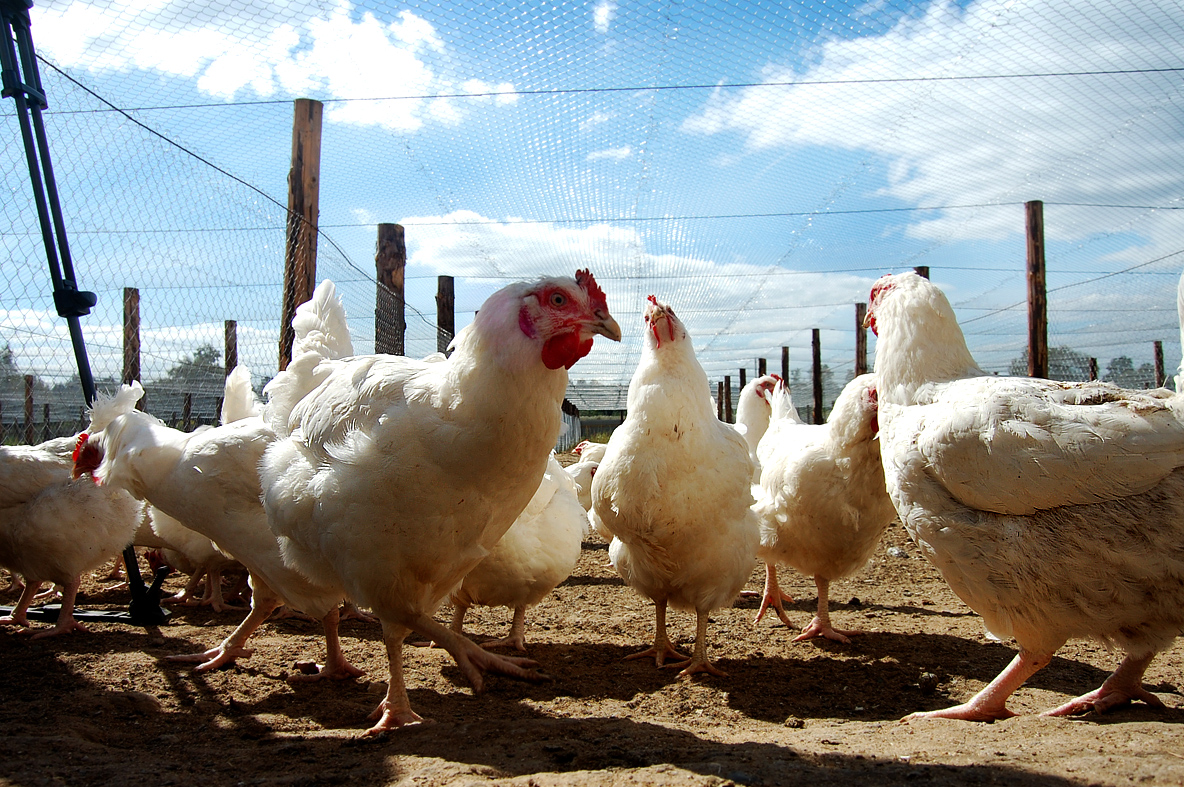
(131, 340)
(743, 378)
(860, 339)
(186, 411)
(304, 188)
(785, 364)
(1093, 368)
(1037, 293)
(1160, 376)
(922, 271)
(762, 367)
(45, 435)
(719, 401)
(445, 313)
(390, 260)
(29, 409)
(728, 398)
(230, 345)
(816, 345)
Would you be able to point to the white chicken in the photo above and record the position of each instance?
(55, 525)
(753, 412)
(589, 451)
(823, 505)
(674, 489)
(537, 553)
(209, 481)
(394, 477)
(1054, 510)
(583, 470)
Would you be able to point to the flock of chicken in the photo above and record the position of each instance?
(1054, 510)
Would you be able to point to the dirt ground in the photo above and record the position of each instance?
(105, 708)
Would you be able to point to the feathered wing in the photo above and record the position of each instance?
(1017, 445)
(239, 400)
(106, 407)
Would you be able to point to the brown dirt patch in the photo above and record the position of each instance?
(103, 708)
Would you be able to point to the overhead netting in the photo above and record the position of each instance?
(756, 165)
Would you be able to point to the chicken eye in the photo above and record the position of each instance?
(558, 299)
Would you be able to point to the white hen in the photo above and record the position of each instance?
(208, 480)
(674, 489)
(537, 553)
(55, 525)
(753, 412)
(394, 477)
(1054, 510)
(823, 505)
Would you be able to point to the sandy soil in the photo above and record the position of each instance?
(104, 708)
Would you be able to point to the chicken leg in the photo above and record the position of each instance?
(264, 601)
(662, 647)
(395, 709)
(516, 639)
(19, 615)
(698, 662)
(820, 625)
(65, 623)
(336, 667)
(1124, 685)
(772, 596)
(990, 704)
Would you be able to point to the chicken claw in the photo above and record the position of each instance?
(820, 628)
(1124, 685)
(662, 647)
(773, 597)
(214, 657)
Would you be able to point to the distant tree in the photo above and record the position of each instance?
(1064, 363)
(1122, 371)
(12, 379)
(198, 370)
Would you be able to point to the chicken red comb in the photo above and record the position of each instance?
(882, 285)
(587, 282)
(652, 299)
(81, 441)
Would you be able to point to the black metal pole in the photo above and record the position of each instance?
(71, 303)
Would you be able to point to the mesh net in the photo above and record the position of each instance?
(756, 165)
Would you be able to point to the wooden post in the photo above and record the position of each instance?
(1037, 293)
(743, 377)
(816, 343)
(719, 400)
(785, 364)
(304, 189)
(131, 334)
(445, 313)
(1160, 376)
(762, 367)
(29, 409)
(45, 422)
(390, 260)
(728, 398)
(860, 339)
(230, 344)
(1093, 368)
(922, 271)
(186, 410)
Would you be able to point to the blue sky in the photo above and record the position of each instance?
(765, 156)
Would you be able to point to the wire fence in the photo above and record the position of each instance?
(641, 142)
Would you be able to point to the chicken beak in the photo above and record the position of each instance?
(605, 325)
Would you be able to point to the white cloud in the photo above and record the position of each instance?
(617, 154)
(602, 15)
(982, 141)
(338, 55)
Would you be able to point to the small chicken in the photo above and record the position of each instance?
(1054, 510)
(753, 411)
(823, 506)
(392, 478)
(589, 451)
(537, 553)
(55, 525)
(674, 489)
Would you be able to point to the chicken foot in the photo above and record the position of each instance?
(19, 615)
(662, 647)
(698, 662)
(233, 647)
(990, 704)
(516, 638)
(336, 667)
(771, 597)
(65, 623)
(1123, 685)
(820, 625)
(395, 709)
